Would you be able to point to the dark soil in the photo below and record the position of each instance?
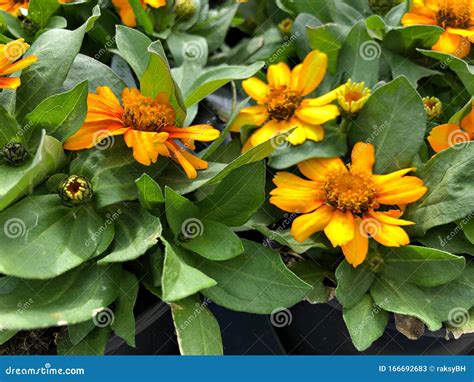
(34, 342)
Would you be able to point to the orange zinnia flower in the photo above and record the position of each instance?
(281, 105)
(126, 12)
(10, 62)
(344, 201)
(148, 126)
(455, 16)
(449, 134)
(13, 6)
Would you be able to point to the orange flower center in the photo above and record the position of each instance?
(352, 96)
(455, 13)
(145, 114)
(282, 103)
(351, 190)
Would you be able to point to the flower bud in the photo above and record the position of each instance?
(14, 153)
(185, 9)
(285, 26)
(381, 7)
(75, 190)
(433, 107)
(352, 97)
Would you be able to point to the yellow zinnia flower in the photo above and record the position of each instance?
(344, 201)
(148, 126)
(455, 16)
(126, 13)
(449, 134)
(10, 62)
(281, 104)
(352, 96)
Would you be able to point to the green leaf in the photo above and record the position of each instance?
(143, 19)
(328, 39)
(404, 40)
(333, 145)
(400, 66)
(149, 192)
(10, 131)
(214, 78)
(393, 113)
(175, 178)
(78, 332)
(43, 239)
(184, 46)
(433, 306)
(461, 324)
(197, 330)
(178, 210)
(133, 47)
(157, 79)
(284, 237)
(136, 231)
(112, 171)
(56, 50)
(18, 181)
(96, 73)
(365, 321)
(39, 11)
(61, 115)
(210, 239)
(449, 238)
(255, 282)
(352, 283)
(57, 301)
(237, 197)
(468, 228)
(6, 335)
(421, 266)
(448, 176)
(123, 324)
(464, 71)
(181, 280)
(359, 56)
(312, 273)
(93, 344)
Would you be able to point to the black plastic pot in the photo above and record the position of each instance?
(242, 333)
(320, 329)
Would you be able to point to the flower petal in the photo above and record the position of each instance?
(391, 235)
(402, 191)
(306, 225)
(279, 75)
(443, 136)
(363, 156)
(467, 123)
(317, 115)
(312, 72)
(9, 82)
(355, 251)
(89, 135)
(19, 65)
(253, 116)
(144, 144)
(256, 89)
(203, 133)
(387, 218)
(452, 44)
(340, 229)
(318, 168)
